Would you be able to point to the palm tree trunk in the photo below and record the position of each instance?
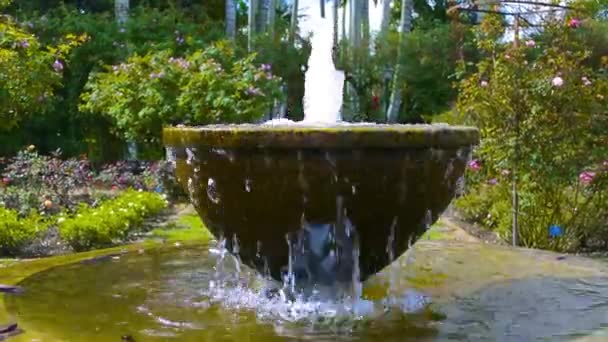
(398, 79)
(121, 11)
(231, 19)
(344, 12)
(262, 15)
(334, 18)
(293, 27)
(251, 23)
(386, 17)
(322, 8)
(272, 11)
(364, 13)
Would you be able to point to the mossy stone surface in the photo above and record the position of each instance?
(338, 136)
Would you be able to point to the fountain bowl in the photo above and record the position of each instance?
(319, 204)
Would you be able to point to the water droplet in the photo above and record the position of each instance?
(248, 185)
(212, 192)
(190, 155)
(428, 219)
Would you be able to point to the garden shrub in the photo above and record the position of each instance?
(157, 176)
(542, 111)
(31, 71)
(48, 184)
(17, 232)
(159, 88)
(110, 222)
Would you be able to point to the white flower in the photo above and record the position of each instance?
(557, 81)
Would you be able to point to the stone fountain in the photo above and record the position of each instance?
(319, 202)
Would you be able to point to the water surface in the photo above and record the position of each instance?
(164, 295)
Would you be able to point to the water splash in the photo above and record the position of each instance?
(323, 83)
(250, 291)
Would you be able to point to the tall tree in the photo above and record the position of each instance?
(405, 27)
(386, 17)
(262, 15)
(230, 19)
(293, 27)
(121, 11)
(272, 12)
(251, 23)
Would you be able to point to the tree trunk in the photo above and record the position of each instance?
(121, 11)
(293, 27)
(386, 17)
(262, 15)
(322, 7)
(344, 12)
(231, 19)
(398, 79)
(272, 11)
(364, 14)
(334, 18)
(251, 15)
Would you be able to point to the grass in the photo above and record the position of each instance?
(187, 228)
(434, 234)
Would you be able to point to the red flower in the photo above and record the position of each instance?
(375, 102)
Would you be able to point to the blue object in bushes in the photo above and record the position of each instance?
(555, 231)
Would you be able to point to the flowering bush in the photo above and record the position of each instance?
(149, 176)
(542, 109)
(208, 86)
(30, 72)
(110, 222)
(45, 183)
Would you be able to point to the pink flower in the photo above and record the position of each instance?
(557, 81)
(505, 172)
(586, 177)
(484, 83)
(254, 91)
(586, 81)
(493, 181)
(474, 165)
(574, 23)
(24, 44)
(605, 164)
(57, 65)
(157, 75)
(530, 43)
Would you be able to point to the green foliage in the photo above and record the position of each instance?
(208, 86)
(543, 113)
(110, 222)
(30, 72)
(16, 232)
(149, 28)
(429, 67)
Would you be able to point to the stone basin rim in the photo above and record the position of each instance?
(331, 136)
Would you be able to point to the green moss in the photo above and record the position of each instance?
(188, 228)
(434, 234)
(300, 136)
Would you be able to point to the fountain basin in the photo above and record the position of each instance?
(319, 204)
